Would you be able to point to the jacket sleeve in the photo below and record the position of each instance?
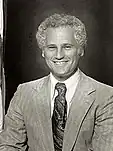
(103, 131)
(13, 137)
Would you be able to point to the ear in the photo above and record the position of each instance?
(81, 51)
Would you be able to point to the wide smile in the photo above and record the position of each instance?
(60, 62)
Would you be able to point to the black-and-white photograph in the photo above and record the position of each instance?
(57, 75)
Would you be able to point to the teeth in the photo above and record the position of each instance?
(59, 63)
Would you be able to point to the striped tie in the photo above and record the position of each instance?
(59, 116)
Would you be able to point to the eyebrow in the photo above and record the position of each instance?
(51, 45)
(67, 44)
(64, 44)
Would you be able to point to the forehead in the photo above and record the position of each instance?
(60, 35)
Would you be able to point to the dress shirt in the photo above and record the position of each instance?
(71, 85)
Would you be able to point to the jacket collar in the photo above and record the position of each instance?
(81, 103)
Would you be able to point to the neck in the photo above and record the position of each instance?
(63, 78)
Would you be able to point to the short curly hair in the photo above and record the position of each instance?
(58, 20)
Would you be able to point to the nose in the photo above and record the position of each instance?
(59, 53)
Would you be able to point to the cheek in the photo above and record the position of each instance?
(48, 54)
(74, 59)
(73, 55)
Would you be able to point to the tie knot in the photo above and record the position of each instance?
(61, 88)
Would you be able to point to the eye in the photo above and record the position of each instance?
(51, 47)
(67, 46)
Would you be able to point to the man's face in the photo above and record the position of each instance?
(61, 53)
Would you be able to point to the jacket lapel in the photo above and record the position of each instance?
(81, 103)
(42, 107)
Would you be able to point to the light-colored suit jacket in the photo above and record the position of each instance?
(89, 125)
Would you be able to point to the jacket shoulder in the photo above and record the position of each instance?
(26, 91)
(35, 83)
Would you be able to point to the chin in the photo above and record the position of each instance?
(61, 76)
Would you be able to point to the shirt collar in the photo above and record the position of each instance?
(70, 82)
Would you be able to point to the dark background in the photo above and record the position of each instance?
(22, 57)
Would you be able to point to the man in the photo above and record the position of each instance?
(66, 110)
